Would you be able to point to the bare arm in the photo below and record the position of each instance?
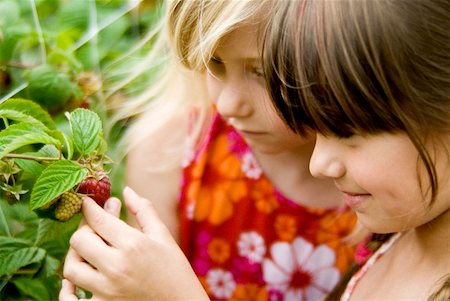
(159, 185)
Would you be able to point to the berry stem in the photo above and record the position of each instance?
(30, 157)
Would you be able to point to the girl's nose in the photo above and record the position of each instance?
(325, 161)
(233, 101)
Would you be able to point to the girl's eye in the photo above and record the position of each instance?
(257, 71)
(216, 66)
(215, 61)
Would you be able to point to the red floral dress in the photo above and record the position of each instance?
(244, 239)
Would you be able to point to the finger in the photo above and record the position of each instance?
(67, 292)
(146, 216)
(111, 229)
(88, 245)
(82, 274)
(112, 206)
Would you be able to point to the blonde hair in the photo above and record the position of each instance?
(185, 41)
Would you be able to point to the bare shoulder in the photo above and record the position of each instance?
(153, 168)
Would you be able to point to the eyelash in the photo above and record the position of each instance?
(215, 61)
(218, 63)
(257, 71)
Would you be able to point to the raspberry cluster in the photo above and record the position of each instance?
(98, 190)
(68, 205)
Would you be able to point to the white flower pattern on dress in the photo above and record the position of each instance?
(251, 246)
(221, 283)
(250, 166)
(190, 209)
(300, 271)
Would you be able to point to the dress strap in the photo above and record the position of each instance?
(370, 262)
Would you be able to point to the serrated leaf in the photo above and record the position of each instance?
(27, 111)
(30, 169)
(9, 244)
(21, 134)
(86, 130)
(50, 230)
(11, 262)
(48, 151)
(66, 142)
(57, 178)
(49, 266)
(32, 287)
(102, 146)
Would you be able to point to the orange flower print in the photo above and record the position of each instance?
(262, 193)
(222, 184)
(250, 292)
(219, 250)
(332, 230)
(285, 227)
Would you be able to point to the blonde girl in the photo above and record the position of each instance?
(227, 177)
(373, 79)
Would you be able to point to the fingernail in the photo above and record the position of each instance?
(128, 190)
(112, 205)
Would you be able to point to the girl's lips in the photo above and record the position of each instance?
(354, 200)
(251, 134)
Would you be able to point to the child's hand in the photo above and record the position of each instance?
(115, 261)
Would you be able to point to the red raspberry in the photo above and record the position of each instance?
(98, 190)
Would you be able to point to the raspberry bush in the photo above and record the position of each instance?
(64, 64)
(40, 162)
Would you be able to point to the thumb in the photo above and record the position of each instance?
(112, 206)
(146, 216)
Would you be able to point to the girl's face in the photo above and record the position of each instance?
(382, 178)
(236, 84)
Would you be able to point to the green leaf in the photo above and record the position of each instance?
(32, 287)
(11, 35)
(49, 87)
(27, 111)
(11, 262)
(50, 266)
(21, 134)
(66, 142)
(54, 180)
(50, 230)
(10, 244)
(31, 170)
(13, 12)
(86, 130)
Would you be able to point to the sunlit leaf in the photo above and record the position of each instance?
(54, 180)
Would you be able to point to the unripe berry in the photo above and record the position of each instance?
(68, 205)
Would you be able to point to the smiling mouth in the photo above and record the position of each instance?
(354, 200)
(251, 133)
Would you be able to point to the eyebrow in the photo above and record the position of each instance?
(252, 60)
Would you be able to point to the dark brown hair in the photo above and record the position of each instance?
(363, 67)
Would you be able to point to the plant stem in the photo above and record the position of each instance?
(25, 271)
(13, 92)
(39, 31)
(30, 157)
(106, 22)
